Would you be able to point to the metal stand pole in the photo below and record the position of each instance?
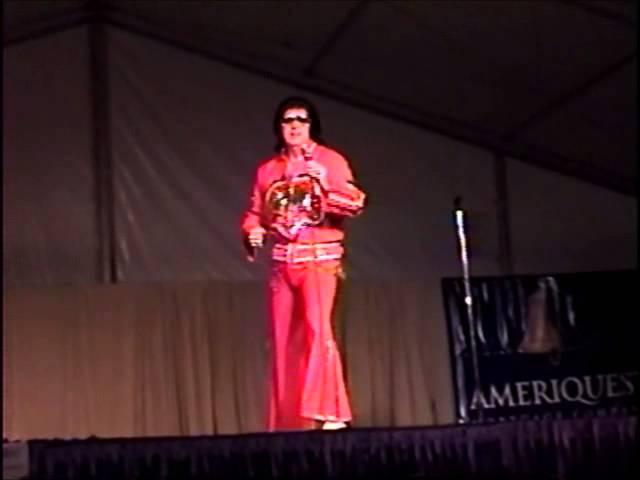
(468, 299)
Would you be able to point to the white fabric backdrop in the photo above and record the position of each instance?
(560, 224)
(49, 234)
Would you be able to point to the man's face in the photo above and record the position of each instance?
(296, 125)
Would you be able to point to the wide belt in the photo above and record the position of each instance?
(307, 252)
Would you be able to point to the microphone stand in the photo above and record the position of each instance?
(468, 299)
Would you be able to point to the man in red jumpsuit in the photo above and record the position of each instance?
(307, 381)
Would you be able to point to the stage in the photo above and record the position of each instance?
(576, 448)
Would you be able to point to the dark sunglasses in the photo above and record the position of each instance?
(289, 120)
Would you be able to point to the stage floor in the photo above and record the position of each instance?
(577, 448)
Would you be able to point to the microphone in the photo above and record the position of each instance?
(457, 202)
(459, 215)
(307, 152)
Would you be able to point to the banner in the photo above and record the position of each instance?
(546, 345)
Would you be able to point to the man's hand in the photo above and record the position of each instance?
(256, 236)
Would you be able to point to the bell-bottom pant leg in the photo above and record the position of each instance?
(289, 352)
(324, 395)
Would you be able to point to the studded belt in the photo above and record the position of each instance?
(307, 252)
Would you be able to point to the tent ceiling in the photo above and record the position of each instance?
(549, 82)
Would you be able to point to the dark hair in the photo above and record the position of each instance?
(315, 130)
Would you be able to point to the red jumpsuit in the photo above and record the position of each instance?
(307, 382)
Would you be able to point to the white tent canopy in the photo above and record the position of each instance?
(552, 83)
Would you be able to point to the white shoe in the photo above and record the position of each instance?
(333, 425)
